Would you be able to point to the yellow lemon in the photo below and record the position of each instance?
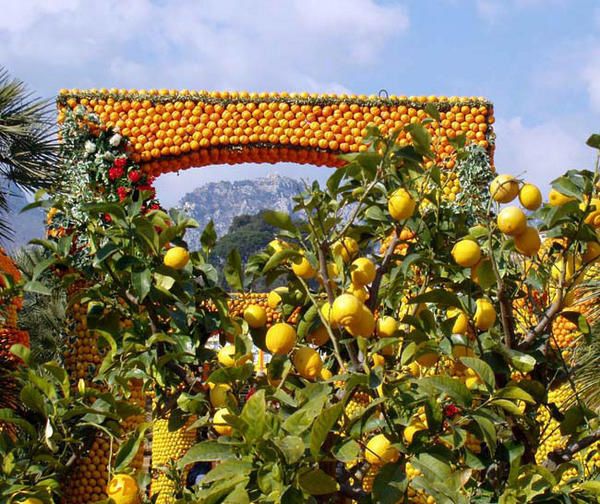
(318, 336)
(466, 253)
(364, 325)
(346, 309)
(33, 500)
(573, 264)
(386, 326)
(593, 218)
(378, 360)
(592, 252)
(428, 359)
(220, 394)
(326, 312)
(556, 198)
(528, 242)
(411, 429)
(176, 258)
(459, 351)
(401, 205)
(461, 324)
(278, 245)
(530, 197)
(226, 357)
(220, 424)
(504, 188)
(256, 316)
(472, 379)
(379, 451)
(273, 299)
(280, 338)
(303, 269)
(325, 374)
(307, 362)
(485, 314)
(512, 221)
(359, 291)
(362, 271)
(346, 248)
(123, 489)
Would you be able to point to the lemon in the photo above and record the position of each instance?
(220, 394)
(346, 248)
(226, 357)
(485, 314)
(556, 198)
(472, 379)
(273, 299)
(307, 362)
(530, 197)
(33, 500)
(428, 359)
(364, 325)
(303, 269)
(466, 253)
(378, 360)
(592, 252)
(504, 188)
(278, 245)
(461, 324)
(359, 291)
(411, 429)
(122, 489)
(386, 326)
(593, 218)
(280, 338)
(346, 309)
(459, 351)
(573, 264)
(326, 312)
(319, 336)
(379, 451)
(401, 205)
(512, 221)
(362, 271)
(220, 424)
(325, 374)
(176, 258)
(256, 316)
(528, 242)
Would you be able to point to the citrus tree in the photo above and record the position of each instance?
(422, 350)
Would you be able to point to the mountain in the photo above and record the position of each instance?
(223, 201)
(25, 226)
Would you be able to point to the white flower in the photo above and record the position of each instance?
(115, 140)
(90, 147)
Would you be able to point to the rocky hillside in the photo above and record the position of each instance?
(222, 201)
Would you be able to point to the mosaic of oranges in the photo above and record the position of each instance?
(200, 128)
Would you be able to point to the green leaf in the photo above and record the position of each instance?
(233, 270)
(567, 187)
(421, 138)
(317, 482)
(32, 399)
(323, 426)
(254, 414)
(278, 257)
(574, 417)
(105, 252)
(515, 393)
(280, 220)
(227, 469)
(450, 386)
(488, 430)
(292, 448)
(594, 141)
(376, 213)
(207, 451)
(347, 451)
(36, 287)
(432, 111)
(145, 230)
(592, 486)
(129, 449)
(483, 369)
(208, 239)
(141, 281)
(390, 484)
(238, 496)
(438, 296)
(302, 419)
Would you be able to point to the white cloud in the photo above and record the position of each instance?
(542, 152)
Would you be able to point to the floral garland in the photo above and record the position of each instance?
(96, 168)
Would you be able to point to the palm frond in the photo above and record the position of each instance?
(28, 141)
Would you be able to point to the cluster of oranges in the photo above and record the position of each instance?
(162, 124)
(82, 355)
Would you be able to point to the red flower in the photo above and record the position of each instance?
(115, 172)
(155, 206)
(107, 218)
(134, 176)
(250, 393)
(451, 410)
(122, 192)
(120, 162)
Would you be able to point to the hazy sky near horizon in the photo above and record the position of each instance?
(537, 60)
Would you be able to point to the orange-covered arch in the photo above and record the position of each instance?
(173, 130)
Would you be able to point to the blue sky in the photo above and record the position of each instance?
(537, 60)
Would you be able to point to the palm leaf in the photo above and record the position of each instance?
(28, 141)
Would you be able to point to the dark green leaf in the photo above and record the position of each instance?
(323, 426)
(278, 257)
(317, 482)
(292, 448)
(233, 270)
(208, 239)
(483, 369)
(207, 451)
(141, 281)
(594, 141)
(279, 220)
(129, 449)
